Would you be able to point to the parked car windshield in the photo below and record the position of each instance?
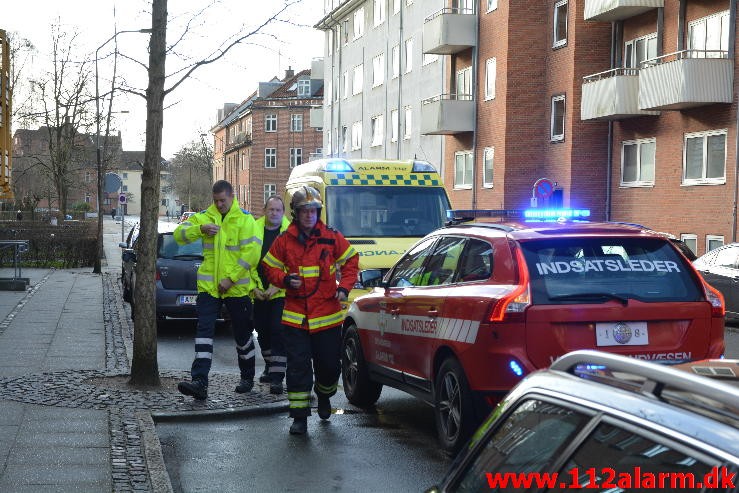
(594, 270)
(386, 211)
(169, 248)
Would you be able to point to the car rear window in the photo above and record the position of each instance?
(169, 248)
(594, 270)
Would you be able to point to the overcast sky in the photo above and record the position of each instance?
(191, 108)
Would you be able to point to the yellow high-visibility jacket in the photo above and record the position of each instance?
(233, 252)
(260, 234)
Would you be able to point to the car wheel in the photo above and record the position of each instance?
(452, 406)
(359, 389)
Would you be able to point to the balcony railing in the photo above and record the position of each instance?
(448, 114)
(616, 10)
(686, 79)
(612, 95)
(449, 31)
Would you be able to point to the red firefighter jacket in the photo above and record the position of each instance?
(314, 258)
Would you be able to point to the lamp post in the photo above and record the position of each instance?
(98, 262)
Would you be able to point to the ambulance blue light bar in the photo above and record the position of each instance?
(423, 167)
(469, 214)
(556, 213)
(338, 166)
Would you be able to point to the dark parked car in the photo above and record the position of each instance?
(176, 274)
(720, 269)
(605, 422)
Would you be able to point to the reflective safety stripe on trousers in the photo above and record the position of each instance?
(299, 399)
(322, 389)
(246, 351)
(203, 348)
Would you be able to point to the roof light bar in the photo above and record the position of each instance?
(555, 213)
(338, 166)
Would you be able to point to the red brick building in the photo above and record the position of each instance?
(267, 135)
(627, 107)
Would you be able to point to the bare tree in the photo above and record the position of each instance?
(191, 169)
(144, 368)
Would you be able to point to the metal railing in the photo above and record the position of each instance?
(684, 54)
(17, 282)
(607, 74)
(449, 10)
(447, 97)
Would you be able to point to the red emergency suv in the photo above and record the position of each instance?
(472, 308)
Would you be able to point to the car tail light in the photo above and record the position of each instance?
(157, 275)
(518, 299)
(715, 298)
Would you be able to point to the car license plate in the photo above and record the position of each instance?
(621, 334)
(188, 299)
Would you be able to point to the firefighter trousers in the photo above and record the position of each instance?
(324, 349)
(268, 323)
(208, 308)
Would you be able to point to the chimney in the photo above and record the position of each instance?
(289, 73)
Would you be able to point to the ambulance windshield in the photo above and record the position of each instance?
(385, 211)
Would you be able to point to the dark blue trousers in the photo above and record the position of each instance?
(268, 322)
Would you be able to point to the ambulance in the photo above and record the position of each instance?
(382, 207)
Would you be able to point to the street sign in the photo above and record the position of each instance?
(122, 198)
(543, 188)
(113, 183)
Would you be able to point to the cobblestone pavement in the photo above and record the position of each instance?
(129, 409)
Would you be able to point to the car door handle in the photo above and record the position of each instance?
(433, 312)
(395, 311)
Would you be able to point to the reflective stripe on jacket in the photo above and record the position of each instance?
(260, 234)
(232, 253)
(313, 306)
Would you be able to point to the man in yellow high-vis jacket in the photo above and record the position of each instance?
(226, 276)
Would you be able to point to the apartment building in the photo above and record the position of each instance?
(270, 133)
(376, 77)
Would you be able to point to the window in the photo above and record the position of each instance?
(328, 94)
(407, 123)
(379, 12)
(344, 139)
(464, 84)
(396, 6)
(557, 132)
(124, 188)
(359, 23)
(304, 87)
(429, 58)
(394, 125)
(490, 68)
(87, 177)
(463, 169)
(640, 49)
(378, 70)
(408, 55)
(637, 162)
(491, 5)
(691, 241)
(705, 158)
(487, 167)
(356, 136)
(463, 6)
(709, 35)
(713, 241)
(270, 157)
(330, 41)
(296, 123)
(378, 129)
(270, 123)
(296, 156)
(358, 79)
(87, 198)
(346, 85)
(560, 24)
(396, 61)
(270, 189)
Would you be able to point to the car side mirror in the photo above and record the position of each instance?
(370, 278)
(123, 244)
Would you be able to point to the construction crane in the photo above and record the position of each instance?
(6, 103)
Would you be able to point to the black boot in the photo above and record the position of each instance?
(244, 386)
(299, 426)
(324, 406)
(196, 389)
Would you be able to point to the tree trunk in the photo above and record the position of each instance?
(144, 368)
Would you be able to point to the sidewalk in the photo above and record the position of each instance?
(68, 419)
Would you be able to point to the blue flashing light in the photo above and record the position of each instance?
(423, 167)
(555, 213)
(515, 368)
(338, 166)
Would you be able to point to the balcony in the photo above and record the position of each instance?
(686, 79)
(447, 114)
(449, 31)
(316, 117)
(612, 95)
(616, 10)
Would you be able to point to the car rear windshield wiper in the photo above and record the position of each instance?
(590, 296)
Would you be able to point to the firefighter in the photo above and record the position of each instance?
(304, 260)
(226, 276)
(269, 299)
